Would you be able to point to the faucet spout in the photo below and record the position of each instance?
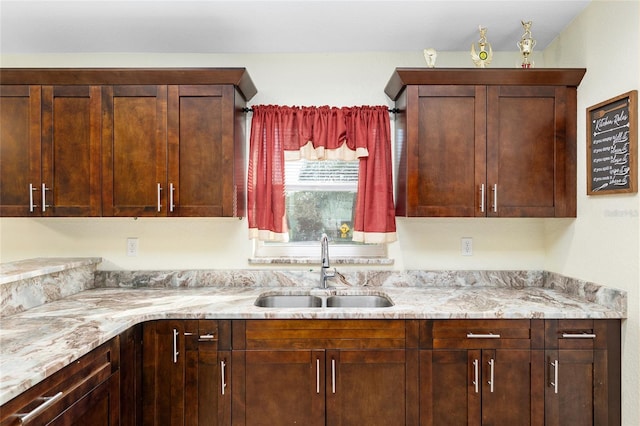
(324, 260)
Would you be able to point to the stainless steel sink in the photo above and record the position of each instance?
(323, 301)
(358, 301)
(288, 301)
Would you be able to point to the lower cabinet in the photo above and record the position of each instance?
(185, 366)
(341, 372)
(86, 392)
(477, 372)
(582, 372)
(338, 373)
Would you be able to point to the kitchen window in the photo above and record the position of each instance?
(320, 197)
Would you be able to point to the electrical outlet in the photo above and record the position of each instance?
(132, 247)
(466, 246)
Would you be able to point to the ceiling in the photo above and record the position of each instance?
(302, 26)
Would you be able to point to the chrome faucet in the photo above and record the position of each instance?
(324, 260)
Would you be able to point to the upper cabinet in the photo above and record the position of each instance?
(123, 142)
(485, 142)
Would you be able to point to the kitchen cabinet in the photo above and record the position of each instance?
(123, 142)
(86, 392)
(582, 372)
(134, 141)
(334, 372)
(485, 143)
(185, 372)
(206, 154)
(475, 372)
(50, 151)
(20, 158)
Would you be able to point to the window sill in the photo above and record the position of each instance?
(316, 261)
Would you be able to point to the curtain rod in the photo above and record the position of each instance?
(391, 110)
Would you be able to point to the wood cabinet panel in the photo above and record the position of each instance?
(134, 150)
(71, 150)
(201, 150)
(20, 147)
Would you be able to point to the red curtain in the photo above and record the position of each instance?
(279, 132)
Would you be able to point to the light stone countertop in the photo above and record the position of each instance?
(41, 340)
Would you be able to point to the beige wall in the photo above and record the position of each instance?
(599, 245)
(603, 243)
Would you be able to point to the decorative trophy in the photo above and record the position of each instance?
(483, 56)
(526, 45)
(430, 55)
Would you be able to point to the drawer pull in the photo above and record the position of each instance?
(578, 336)
(205, 337)
(48, 401)
(482, 336)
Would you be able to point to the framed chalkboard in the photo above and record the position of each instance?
(612, 145)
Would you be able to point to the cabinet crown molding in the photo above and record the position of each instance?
(239, 77)
(402, 77)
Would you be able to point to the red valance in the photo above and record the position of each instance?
(283, 132)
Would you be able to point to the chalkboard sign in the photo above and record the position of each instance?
(612, 145)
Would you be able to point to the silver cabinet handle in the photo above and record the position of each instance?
(31, 205)
(556, 366)
(223, 382)
(44, 197)
(482, 336)
(333, 375)
(159, 204)
(206, 337)
(318, 375)
(482, 198)
(175, 346)
(491, 375)
(495, 198)
(476, 381)
(47, 402)
(171, 204)
(578, 336)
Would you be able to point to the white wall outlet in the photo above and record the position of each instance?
(466, 246)
(132, 247)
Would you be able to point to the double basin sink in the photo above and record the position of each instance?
(271, 300)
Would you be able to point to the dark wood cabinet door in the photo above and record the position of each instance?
(447, 387)
(527, 151)
(279, 387)
(134, 141)
(366, 387)
(20, 151)
(201, 150)
(446, 153)
(512, 387)
(71, 150)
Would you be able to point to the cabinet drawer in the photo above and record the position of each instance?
(580, 334)
(329, 334)
(481, 334)
(51, 397)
